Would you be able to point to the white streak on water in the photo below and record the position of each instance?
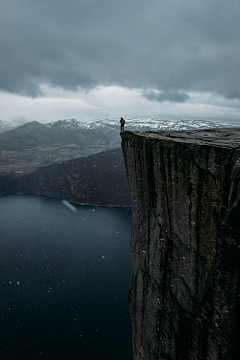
(69, 206)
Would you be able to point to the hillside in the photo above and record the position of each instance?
(64, 159)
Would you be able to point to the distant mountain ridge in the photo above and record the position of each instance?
(149, 123)
(76, 161)
(103, 132)
(62, 132)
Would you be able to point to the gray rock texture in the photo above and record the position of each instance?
(185, 196)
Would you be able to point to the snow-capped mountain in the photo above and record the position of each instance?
(99, 132)
(139, 124)
(71, 159)
(144, 123)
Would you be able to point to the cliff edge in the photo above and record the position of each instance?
(185, 196)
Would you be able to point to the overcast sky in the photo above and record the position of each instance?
(91, 59)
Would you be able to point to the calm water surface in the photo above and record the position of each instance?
(64, 280)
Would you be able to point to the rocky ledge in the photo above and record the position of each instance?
(185, 196)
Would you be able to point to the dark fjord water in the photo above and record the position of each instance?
(64, 280)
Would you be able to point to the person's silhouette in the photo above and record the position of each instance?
(122, 121)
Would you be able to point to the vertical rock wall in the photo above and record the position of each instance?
(185, 196)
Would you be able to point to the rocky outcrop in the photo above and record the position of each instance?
(185, 196)
(88, 176)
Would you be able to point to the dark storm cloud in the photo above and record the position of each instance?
(172, 46)
(174, 96)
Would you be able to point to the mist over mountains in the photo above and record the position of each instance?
(6, 126)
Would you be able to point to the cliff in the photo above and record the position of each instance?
(185, 196)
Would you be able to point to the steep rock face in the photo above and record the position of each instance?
(185, 196)
(98, 179)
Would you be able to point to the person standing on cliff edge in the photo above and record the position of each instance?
(122, 121)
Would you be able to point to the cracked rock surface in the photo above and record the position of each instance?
(185, 196)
